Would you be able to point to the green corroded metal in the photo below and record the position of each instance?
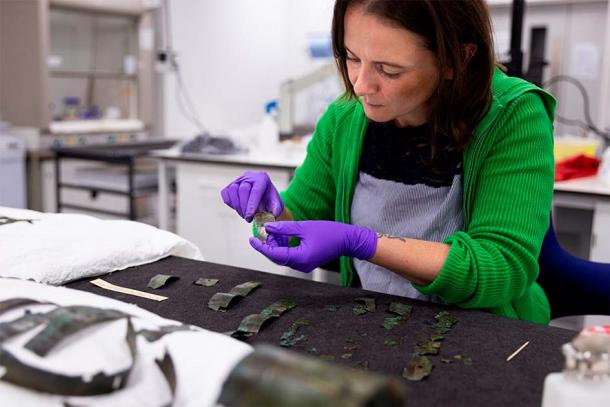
(161, 280)
(274, 377)
(222, 301)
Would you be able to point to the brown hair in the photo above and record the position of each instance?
(446, 26)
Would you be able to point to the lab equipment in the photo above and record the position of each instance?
(326, 75)
(71, 108)
(12, 169)
(207, 144)
(268, 131)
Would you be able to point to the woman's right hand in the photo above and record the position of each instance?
(252, 192)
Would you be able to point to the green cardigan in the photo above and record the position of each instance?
(507, 193)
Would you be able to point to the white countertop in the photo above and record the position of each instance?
(282, 156)
(588, 185)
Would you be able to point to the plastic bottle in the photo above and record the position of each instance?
(268, 132)
(585, 380)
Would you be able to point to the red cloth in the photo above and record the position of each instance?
(576, 167)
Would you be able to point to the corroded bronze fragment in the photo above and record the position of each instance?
(274, 377)
(418, 368)
(252, 324)
(369, 303)
(21, 374)
(13, 303)
(390, 322)
(400, 309)
(65, 321)
(290, 337)
(206, 282)
(260, 218)
(160, 280)
(4, 220)
(222, 301)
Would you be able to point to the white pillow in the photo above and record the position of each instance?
(58, 248)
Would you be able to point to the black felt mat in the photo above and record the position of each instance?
(486, 338)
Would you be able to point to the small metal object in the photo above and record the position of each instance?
(260, 218)
(270, 376)
(253, 323)
(160, 280)
(588, 356)
(222, 301)
(418, 368)
(206, 282)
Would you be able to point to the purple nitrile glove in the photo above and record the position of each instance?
(252, 192)
(321, 242)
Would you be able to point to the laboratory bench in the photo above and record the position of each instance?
(471, 368)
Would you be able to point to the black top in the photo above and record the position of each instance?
(405, 155)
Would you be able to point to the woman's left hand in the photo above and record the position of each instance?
(320, 242)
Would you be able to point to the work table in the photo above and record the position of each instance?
(485, 338)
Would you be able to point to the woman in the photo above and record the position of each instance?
(432, 177)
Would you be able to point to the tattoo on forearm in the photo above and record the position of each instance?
(380, 235)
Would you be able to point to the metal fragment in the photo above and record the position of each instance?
(13, 303)
(23, 375)
(4, 220)
(222, 301)
(252, 324)
(359, 309)
(152, 335)
(260, 218)
(400, 309)
(206, 282)
(290, 338)
(419, 368)
(66, 321)
(274, 377)
(390, 322)
(161, 280)
(244, 288)
(427, 348)
(369, 303)
(21, 325)
(166, 365)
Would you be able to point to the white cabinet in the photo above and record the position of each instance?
(600, 236)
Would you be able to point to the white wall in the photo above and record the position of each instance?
(235, 54)
(571, 26)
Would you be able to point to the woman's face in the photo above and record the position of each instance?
(390, 69)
